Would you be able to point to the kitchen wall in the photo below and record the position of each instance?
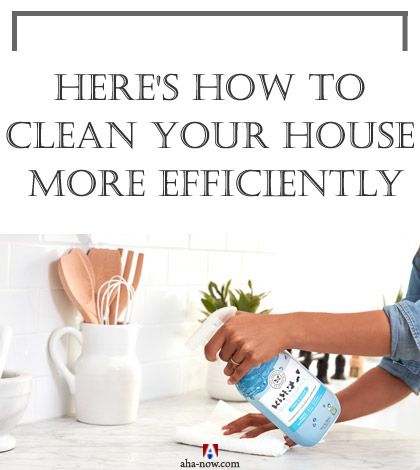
(304, 271)
(176, 267)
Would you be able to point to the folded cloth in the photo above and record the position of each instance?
(270, 443)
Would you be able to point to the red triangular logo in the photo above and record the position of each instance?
(210, 450)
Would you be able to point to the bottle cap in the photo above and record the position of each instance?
(209, 327)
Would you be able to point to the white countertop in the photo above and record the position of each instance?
(66, 444)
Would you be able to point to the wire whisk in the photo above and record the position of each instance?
(108, 299)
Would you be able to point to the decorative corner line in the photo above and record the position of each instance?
(402, 14)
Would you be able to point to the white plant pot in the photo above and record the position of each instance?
(216, 383)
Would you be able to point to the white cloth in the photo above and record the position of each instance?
(270, 443)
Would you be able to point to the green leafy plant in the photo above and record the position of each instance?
(215, 298)
(400, 296)
(247, 301)
(218, 297)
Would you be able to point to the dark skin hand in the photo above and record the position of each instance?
(249, 340)
(373, 391)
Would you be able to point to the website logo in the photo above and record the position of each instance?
(210, 451)
(209, 460)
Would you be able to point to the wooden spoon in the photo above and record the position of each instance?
(106, 264)
(76, 275)
(139, 268)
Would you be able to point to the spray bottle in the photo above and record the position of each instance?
(282, 389)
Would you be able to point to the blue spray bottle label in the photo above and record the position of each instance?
(282, 389)
(291, 398)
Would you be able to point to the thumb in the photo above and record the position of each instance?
(289, 442)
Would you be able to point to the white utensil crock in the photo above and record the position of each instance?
(106, 382)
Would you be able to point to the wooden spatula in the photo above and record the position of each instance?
(76, 275)
(139, 269)
(106, 264)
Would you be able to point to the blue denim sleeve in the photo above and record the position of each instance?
(404, 360)
(413, 291)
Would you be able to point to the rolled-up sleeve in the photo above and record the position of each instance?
(413, 291)
(404, 360)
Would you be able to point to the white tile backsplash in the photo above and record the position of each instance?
(22, 238)
(162, 379)
(195, 306)
(164, 342)
(176, 240)
(29, 354)
(176, 267)
(34, 266)
(30, 412)
(160, 305)
(155, 268)
(261, 268)
(187, 268)
(52, 397)
(205, 241)
(225, 266)
(113, 239)
(56, 310)
(4, 265)
(72, 239)
(242, 240)
(166, 378)
(20, 310)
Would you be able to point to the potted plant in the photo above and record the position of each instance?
(217, 297)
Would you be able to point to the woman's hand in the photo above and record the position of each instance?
(255, 420)
(245, 341)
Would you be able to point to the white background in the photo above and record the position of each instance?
(368, 46)
(368, 241)
(337, 254)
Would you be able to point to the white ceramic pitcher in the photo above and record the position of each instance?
(106, 382)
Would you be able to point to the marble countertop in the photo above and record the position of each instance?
(67, 444)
